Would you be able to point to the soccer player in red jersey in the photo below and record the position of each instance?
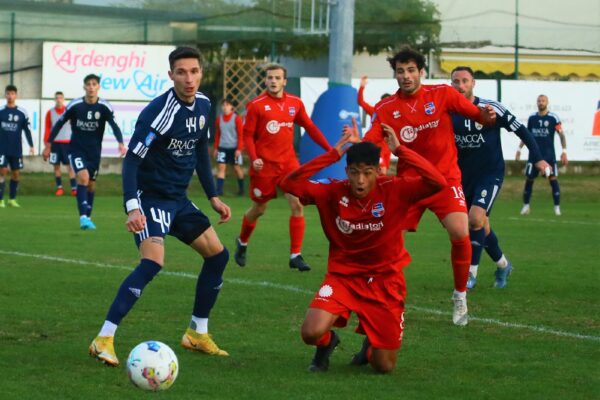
(420, 117)
(386, 154)
(362, 217)
(269, 140)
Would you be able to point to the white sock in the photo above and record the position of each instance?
(473, 270)
(502, 262)
(242, 243)
(108, 329)
(200, 324)
(459, 295)
(82, 217)
(294, 255)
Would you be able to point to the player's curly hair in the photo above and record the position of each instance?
(405, 55)
(363, 153)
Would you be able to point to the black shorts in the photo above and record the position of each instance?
(12, 162)
(79, 162)
(483, 192)
(227, 156)
(180, 218)
(59, 154)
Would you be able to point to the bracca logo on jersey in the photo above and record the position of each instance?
(469, 141)
(9, 126)
(182, 148)
(87, 125)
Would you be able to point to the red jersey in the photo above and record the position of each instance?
(422, 122)
(269, 128)
(365, 235)
(369, 109)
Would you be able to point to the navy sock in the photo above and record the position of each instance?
(241, 185)
(58, 180)
(220, 183)
(555, 191)
(12, 191)
(82, 194)
(527, 191)
(492, 247)
(131, 290)
(2, 186)
(73, 184)
(90, 201)
(477, 242)
(209, 283)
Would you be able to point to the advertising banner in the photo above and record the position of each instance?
(128, 72)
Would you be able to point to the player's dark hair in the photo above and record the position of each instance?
(227, 101)
(363, 153)
(10, 88)
(59, 93)
(273, 67)
(90, 77)
(383, 96)
(184, 52)
(405, 55)
(463, 68)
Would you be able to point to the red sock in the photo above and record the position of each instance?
(247, 229)
(296, 234)
(461, 260)
(324, 340)
(369, 353)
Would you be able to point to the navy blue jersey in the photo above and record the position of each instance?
(543, 129)
(13, 121)
(87, 126)
(170, 141)
(479, 147)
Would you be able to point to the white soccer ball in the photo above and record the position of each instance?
(152, 365)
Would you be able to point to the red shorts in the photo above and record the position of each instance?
(264, 183)
(450, 199)
(377, 301)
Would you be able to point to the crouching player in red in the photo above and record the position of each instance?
(362, 218)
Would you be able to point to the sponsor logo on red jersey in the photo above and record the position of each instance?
(347, 227)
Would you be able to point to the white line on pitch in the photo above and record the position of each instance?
(553, 221)
(290, 288)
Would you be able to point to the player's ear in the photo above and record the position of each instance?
(170, 74)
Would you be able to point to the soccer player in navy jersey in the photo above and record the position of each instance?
(13, 121)
(482, 167)
(88, 115)
(543, 125)
(170, 141)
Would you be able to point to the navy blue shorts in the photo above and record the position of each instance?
(59, 154)
(227, 156)
(532, 172)
(12, 162)
(180, 218)
(483, 192)
(79, 162)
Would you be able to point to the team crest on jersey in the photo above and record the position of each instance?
(202, 122)
(478, 126)
(97, 115)
(273, 127)
(396, 114)
(408, 134)
(149, 139)
(429, 108)
(546, 123)
(267, 107)
(292, 111)
(378, 210)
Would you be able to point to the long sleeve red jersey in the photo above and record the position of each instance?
(365, 235)
(422, 122)
(269, 128)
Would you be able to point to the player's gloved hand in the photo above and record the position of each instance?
(390, 137)
(543, 167)
(135, 221)
(352, 131)
(46, 152)
(258, 164)
(222, 208)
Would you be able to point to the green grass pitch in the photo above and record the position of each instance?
(538, 339)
